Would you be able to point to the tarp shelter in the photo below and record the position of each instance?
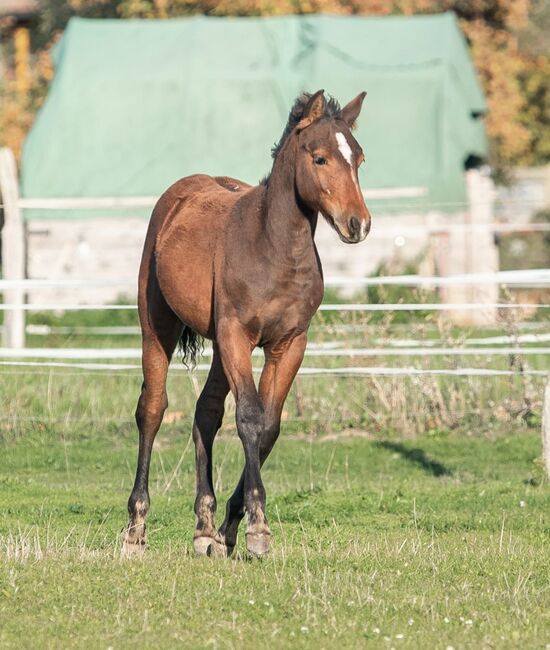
(137, 104)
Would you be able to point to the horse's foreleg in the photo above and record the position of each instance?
(208, 419)
(150, 409)
(235, 350)
(279, 371)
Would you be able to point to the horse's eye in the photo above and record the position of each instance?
(319, 160)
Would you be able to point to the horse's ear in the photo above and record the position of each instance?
(314, 109)
(351, 111)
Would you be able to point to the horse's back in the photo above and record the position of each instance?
(188, 198)
(186, 225)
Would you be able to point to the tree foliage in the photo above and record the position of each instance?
(509, 41)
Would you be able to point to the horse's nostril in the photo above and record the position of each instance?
(368, 225)
(354, 226)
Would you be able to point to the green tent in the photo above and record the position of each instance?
(137, 104)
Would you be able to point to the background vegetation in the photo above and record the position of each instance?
(509, 40)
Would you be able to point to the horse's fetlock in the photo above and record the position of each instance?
(257, 521)
(138, 506)
(255, 506)
(205, 506)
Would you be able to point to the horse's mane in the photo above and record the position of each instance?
(332, 110)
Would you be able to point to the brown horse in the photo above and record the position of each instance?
(238, 265)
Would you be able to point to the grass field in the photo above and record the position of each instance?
(409, 405)
(407, 512)
(378, 542)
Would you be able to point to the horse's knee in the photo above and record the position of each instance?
(150, 409)
(250, 420)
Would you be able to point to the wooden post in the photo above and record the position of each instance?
(546, 427)
(13, 251)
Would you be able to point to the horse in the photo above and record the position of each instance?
(237, 264)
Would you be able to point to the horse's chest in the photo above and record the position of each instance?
(285, 307)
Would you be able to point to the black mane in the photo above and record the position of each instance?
(332, 110)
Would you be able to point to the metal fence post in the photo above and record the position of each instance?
(13, 251)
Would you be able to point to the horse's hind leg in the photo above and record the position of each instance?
(161, 330)
(208, 419)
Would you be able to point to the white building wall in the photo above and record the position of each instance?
(94, 249)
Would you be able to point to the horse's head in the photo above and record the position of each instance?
(328, 157)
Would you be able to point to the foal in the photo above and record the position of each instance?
(238, 265)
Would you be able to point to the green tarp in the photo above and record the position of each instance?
(135, 105)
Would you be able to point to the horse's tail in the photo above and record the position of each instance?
(190, 346)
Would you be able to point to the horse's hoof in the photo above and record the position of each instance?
(131, 549)
(201, 545)
(258, 544)
(219, 549)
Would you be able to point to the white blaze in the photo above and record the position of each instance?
(345, 150)
(344, 147)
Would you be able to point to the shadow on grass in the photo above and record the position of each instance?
(417, 456)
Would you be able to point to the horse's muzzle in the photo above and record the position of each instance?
(351, 230)
(358, 229)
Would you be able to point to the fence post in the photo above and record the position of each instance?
(546, 427)
(471, 250)
(13, 251)
(481, 250)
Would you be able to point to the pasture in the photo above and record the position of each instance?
(406, 512)
(434, 542)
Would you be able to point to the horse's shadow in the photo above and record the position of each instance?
(417, 456)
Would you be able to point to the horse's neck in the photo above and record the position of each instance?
(289, 226)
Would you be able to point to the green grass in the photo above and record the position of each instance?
(407, 512)
(378, 542)
(77, 401)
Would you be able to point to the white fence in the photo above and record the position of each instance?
(488, 346)
(466, 286)
(467, 297)
(479, 224)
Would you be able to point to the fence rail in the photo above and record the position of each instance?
(514, 278)
(325, 307)
(353, 371)
(311, 351)
(135, 330)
